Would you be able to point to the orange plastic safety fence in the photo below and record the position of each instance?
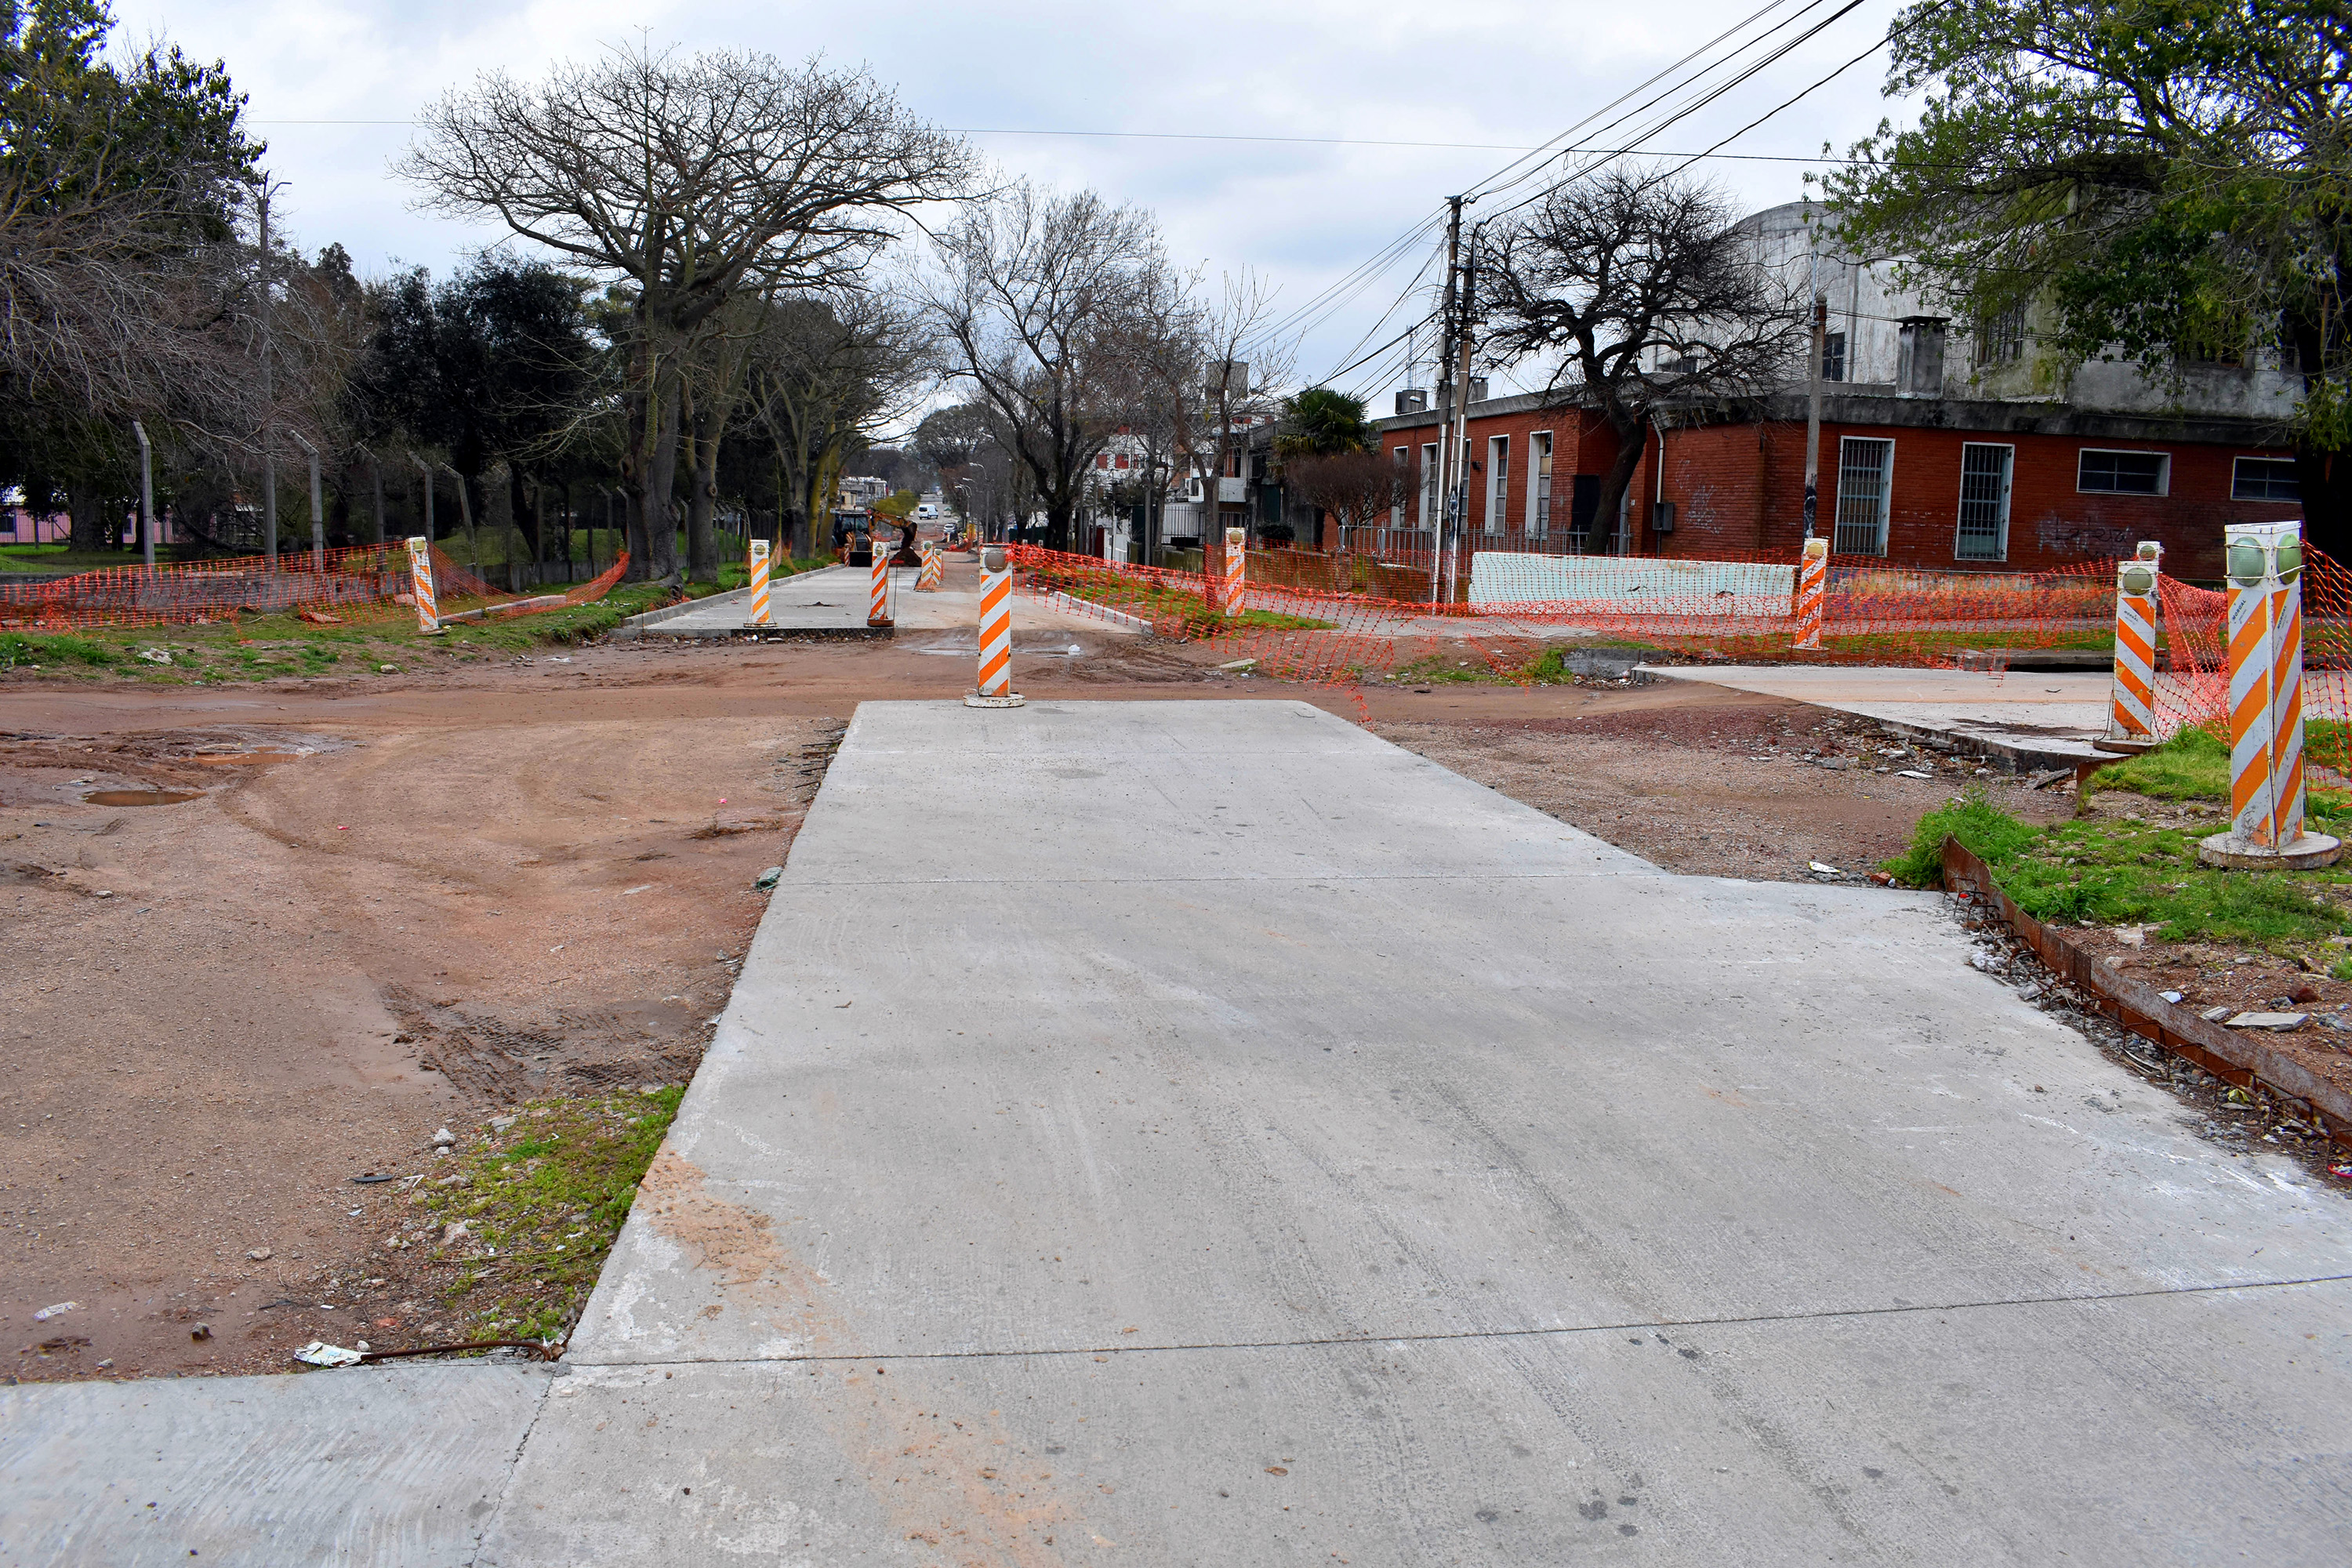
(1307, 629)
(357, 583)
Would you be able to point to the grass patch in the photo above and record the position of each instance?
(2104, 872)
(1159, 602)
(266, 648)
(542, 1199)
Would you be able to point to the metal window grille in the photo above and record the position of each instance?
(1498, 481)
(1833, 356)
(1866, 469)
(1984, 502)
(1539, 489)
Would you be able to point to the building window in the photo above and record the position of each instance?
(1429, 485)
(1865, 484)
(2001, 337)
(1396, 491)
(1984, 502)
(1584, 506)
(2265, 478)
(1498, 481)
(1919, 364)
(1833, 356)
(1539, 484)
(2124, 473)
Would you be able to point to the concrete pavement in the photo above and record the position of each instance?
(2038, 718)
(835, 600)
(1208, 1134)
(1220, 1136)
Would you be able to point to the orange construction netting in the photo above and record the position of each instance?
(1343, 620)
(360, 584)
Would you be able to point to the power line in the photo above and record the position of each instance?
(1277, 141)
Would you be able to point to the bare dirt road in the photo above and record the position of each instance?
(265, 941)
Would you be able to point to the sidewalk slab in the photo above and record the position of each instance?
(2030, 718)
(374, 1465)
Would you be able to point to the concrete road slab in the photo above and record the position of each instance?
(375, 1465)
(2045, 714)
(2030, 1434)
(1056, 1113)
(836, 599)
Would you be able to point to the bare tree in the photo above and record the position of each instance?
(1642, 293)
(694, 179)
(1355, 488)
(1043, 300)
(824, 375)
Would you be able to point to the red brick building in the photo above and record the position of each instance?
(1938, 483)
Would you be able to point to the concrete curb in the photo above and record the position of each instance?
(1057, 600)
(634, 626)
(2233, 1058)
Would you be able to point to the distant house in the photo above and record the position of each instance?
(1944, 445)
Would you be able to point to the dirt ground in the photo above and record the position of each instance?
(266, 941)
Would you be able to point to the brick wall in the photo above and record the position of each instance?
(1740, 487)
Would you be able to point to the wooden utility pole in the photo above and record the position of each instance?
(268, 400)
(1459, 513)
(1819, 308)
(1442, 490)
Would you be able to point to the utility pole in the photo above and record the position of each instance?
(146, 492)
(1460, 440)
(426, 469)
(1443, 490)
(318, 508)
(1817, 306)
(268, 400)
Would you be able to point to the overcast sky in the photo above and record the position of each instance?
(333, 83)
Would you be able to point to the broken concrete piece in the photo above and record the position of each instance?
(318, 1353)
(2280, 1021)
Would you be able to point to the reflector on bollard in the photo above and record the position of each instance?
(2264, 562)
(877, 608)
(1234, 583)
(995, 687)
(760, 611)
(1813, 591)
(2131, 706)
(420, 579)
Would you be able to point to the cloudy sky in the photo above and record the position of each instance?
(1248, 129)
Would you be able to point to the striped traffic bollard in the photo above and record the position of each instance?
(2264, 565)
(2131, 710)
(1232, 600)
(420, 581)
(759, 613)
(927, 581)
(877, 607)
(996, 687)
(1812, 590)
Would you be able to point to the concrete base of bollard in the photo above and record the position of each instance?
(1010, 699)
(2307, 853)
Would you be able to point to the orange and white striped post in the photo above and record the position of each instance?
(420, 583)
(927, 581)
(2264, 564)
(2131, 706)
(995, 687)
(1813, 591)
(761, 615)
(877, 608)
(1234, 589)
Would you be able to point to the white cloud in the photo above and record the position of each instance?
(1467, 71)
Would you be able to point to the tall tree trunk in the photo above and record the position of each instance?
(652, 526)
(702, 548)
(87, 507)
